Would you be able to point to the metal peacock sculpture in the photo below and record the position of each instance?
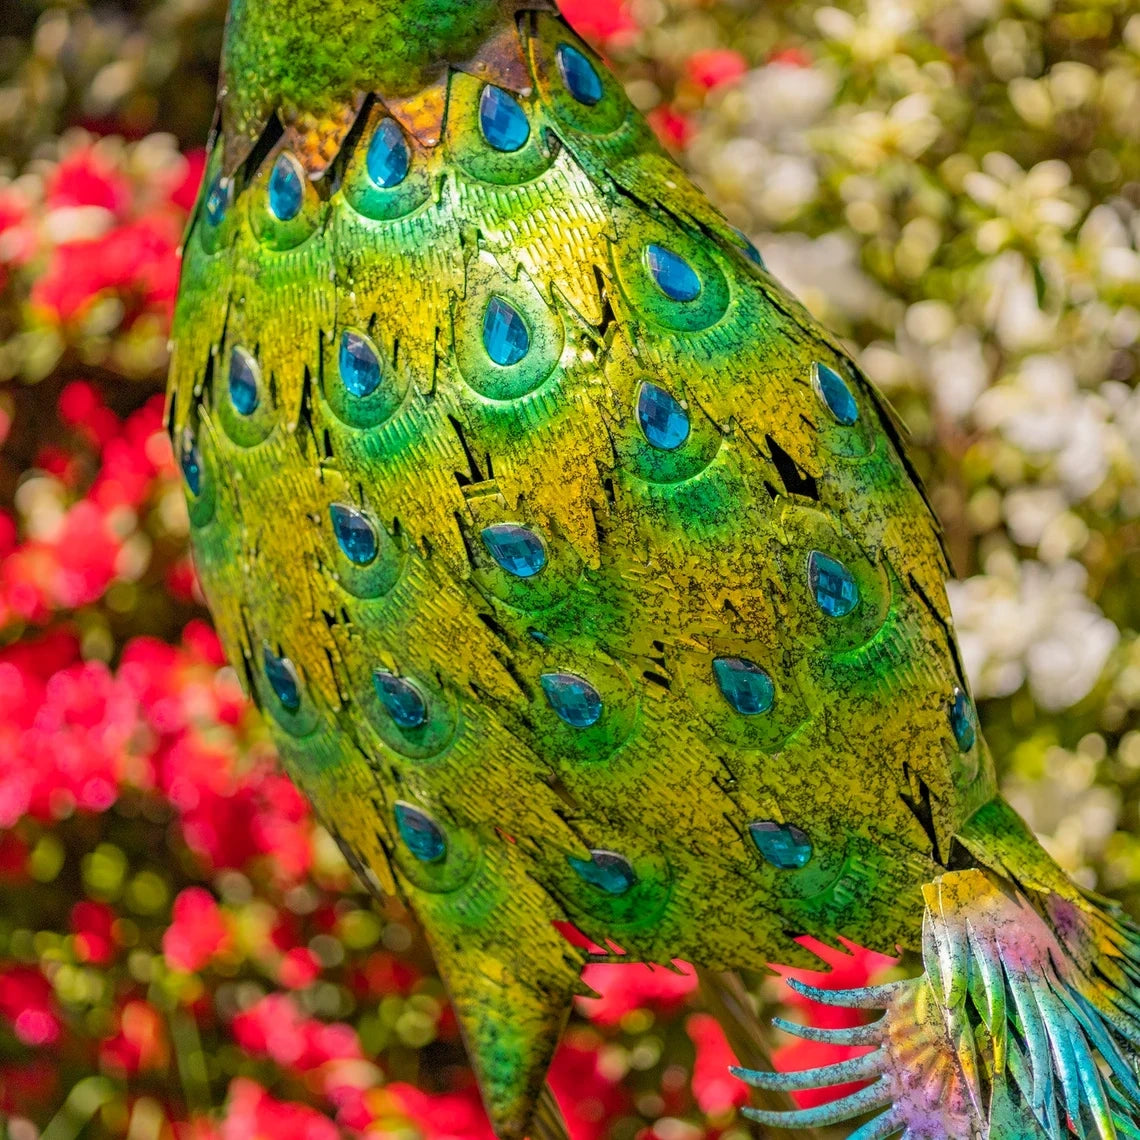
(582, 577)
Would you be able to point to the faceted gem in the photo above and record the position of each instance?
(517, 550)
(782, 844)
(359, 364)
(502, 120)
(388, 157)
(833, 585)
(575, 700)
(505, 335)
(749, 250)
(401, 698)
(962, 720)
(663, 420)
(286, 192)
(355, 533)
(420, 833)
(579, 75)
(217, 200)
(191, 462)
(836, 395)
(281, 674)
(605, 870)
(675, 277)
(243, 381)
(745, 686)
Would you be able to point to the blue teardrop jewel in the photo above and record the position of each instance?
(782, 844)
(505, 335)
(836, 395)
(605, 870)
(579, 75)
(574, 699)
(962, 720)
(286, 191)
(516, 549)
(401, 698)
(355, 533)
(281, 674)
(501, 119)
(243, 380)
(358, 363)
(190, 461)
(420, 833)
(745, 685)
(674, 276)
(388, 156)
(835, 589)
(218, 200)
(663, 421)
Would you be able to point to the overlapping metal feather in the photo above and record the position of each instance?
(1007, 1035)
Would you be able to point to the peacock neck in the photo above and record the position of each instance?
(311, 61)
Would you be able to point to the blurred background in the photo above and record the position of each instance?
(952, 185)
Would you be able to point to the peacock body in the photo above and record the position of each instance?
(582, 577)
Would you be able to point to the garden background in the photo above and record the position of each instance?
(953, 185)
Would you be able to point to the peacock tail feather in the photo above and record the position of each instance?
(581, 576)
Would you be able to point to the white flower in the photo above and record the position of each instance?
(1030, 622)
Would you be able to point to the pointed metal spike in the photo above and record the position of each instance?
(1093, 1026)
(870, 1034)
(865, 1099)
(868, 997)
(855, 1069)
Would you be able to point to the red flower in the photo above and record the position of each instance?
(86, 178)
(198, 930)
(715, 67)
(715, 1088)
(274, 1027)
(28, 1005)
(93, 924)
(252, 1114)
(598, 19)
(589, 1099)
(672, 127)
(140, 1046)
(442, 1116)
(299, 968)
(623, 988)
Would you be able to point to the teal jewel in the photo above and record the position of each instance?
(243, 381)
(745, 685)
(749, 250)
(516, 549)
(281, 674)
(575, 700)
(579, 75)
(401, 698)
(217, 200)
(782, 844)
(835, 589)
(359, 365)
(605, 870)
(836, 395)
(190, 460)
(962, 720)
(286, 192)
(505, 335)
(420, 833)
(355, 533)
(674, 276)
(663, 421)
(388, 157)
(502, 120)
